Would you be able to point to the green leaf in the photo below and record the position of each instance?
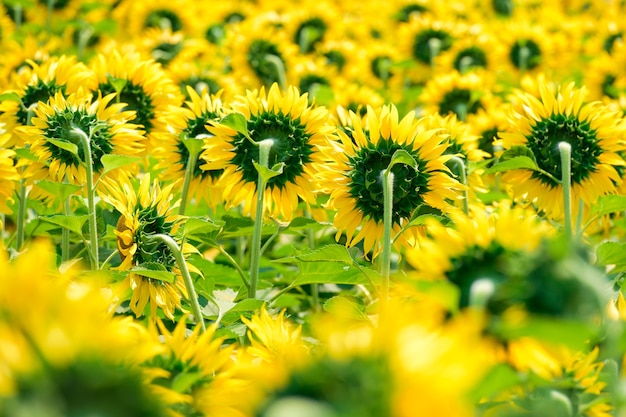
(10, 96)
(517, 151)
(612, 253)
(328, 253)
(445, 292)
(185, 380)
(519, 162)
(72, 223)
(347, 307)
(155, 271)
(25, 153)
(59, 189)
(118, 84)
(193, 145)
(68, 146)
(403, 157)
(199, 226)
(609, 204)
(422, 220)
(334, 273)
(268, 173)
(242, 226)
(499, 378)
(111, 162)
(236, 121)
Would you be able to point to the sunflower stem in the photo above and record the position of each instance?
(278, 64)
(93, 225)
(461, 171)
(65, 233)
(191, 166)
(184, 271)
(49, 9)
(434, 47)
(315, 291)
(385, 262)
(565, 149)
(523, 56)
(255, 255)
(21, 216)
(18, 15)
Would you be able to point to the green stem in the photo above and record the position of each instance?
(565, 149)
(108, 259)
(17, 16)
(91, 205)
(315, 289)
(579, 218)
(235, 265)
(385, 262)
(255, 250)
(65, 234)
(191, 166)
(434, 46)
(21, 216)
(49, 10)
(279, 65)
(461, 171)
(523, 55)
(184, 271)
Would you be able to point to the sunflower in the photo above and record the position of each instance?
(311, 23)
(143, 213)
(199, 358)
(298, 131)
(474, 50)
(175, 15)
(353, 176)
(594, 133)
(9, 176)
(167, 47)
(17, 57)
(141, 84)
(38, 83)
(464, 95)
(105, 125)
(190, 122)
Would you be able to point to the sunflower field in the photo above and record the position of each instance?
(322, 208)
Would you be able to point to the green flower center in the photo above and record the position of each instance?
(485, 142)
(461, 102)
(468, 58)
(503, 7)
(164, 19)
(136, 99)
(234, 17)
(291, 146)
(194, 128)
(366, 187)
(525, 54)
(381, 67)
(60, 125)
(266, 69)
(405, 13)
(429, 43)
(544, 139)
(56, 4)
(609, 42)
(151, 223)
(608, 86)
(34, 94)
(165, 52)
(336, 58)
(310, 83)
(216, 33)
(309, 34)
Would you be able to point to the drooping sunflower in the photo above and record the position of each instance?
(106, 126)
(143, 213)
(190, 122)
(562, 115)
(298, 130)
(353, 177)
(141, 84)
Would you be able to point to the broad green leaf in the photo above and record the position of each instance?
(185, 380)
(25, 153)
(236, 121)
(68, 146)
(200, 225)
(72, 223)
(423, 219)
(516, 151)
(269, 173)
(324, 95)
(499, 378)
(242, 226)
(59, 189)
(344, 306)
(403, 157)
(111, 162)
(334, 273)
(612, 253)
(10, 96)
(117, 83)
(445, 292)
(519, 162)
(609, 204)
(155, 271)
(193, 145)
(328, 253)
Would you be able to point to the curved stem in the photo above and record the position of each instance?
(108, 259)
(21, 216)
(565, 149)
(315, 289)
(463, 180)
(279, 65)
(184, 271)
(235, 265)
(385, 263)
(191, 166)
(93, 225)
(65, 234)
(255, 249)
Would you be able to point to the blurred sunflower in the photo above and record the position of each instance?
(62, 350)
(144, 213)
(105, 125)
(187, 123)
(175, 15)
(17, 57)
(9, 176)
(298, 131)
(190, 356)
(201, 75)
(594, 133)
(141, 84)
(38, 83)
(474, 50)
(353, 177)
(167, 47)
(311, 23)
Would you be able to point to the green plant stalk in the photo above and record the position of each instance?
(463, 180)
(191, 166)
(565, 150)
(524, 54)
(315, 289)
(385, 260)
(280, 69)
(65, 234)
(49, 10)
(184, 271)
(93, 225)
(18, 15)
(21, 216)
(255, 249)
